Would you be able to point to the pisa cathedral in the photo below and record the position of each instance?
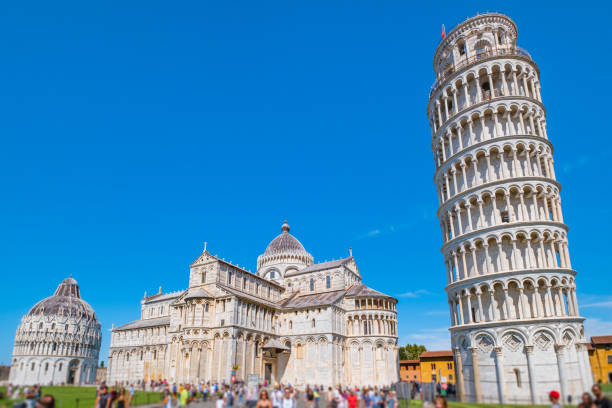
(515, 327)
(293, 321)
(58, 341)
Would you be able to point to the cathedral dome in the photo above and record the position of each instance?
(66, 301)
(283, 252)
(285, 243)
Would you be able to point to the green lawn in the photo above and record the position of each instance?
(82, 397)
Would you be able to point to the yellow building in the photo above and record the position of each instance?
(600, 355)
(437, 366)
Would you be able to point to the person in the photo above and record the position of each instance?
(554, 399)
(228, 396)
(46, 401)
(167, 397)
(129, 400)
(600, 400)
(316, 396)
(287, 401)
(30, 397)
(277, 396)
(440, 402)
(329, 396)
(251, 397)
(184, 396)
(220, 401)
(122, 401)
(587, 401)
(264, 400)
(352, 400)
(113, 393)
(309, 397)
(104, 398)
(391, 400)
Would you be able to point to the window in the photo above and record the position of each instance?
(222, 322)
(328, 282)
(54, 346)
(244, 283)
(462, 49)
(517, 374)
(203, 277)
(46, 367)
(300, 351)
(256, 349)
(53, 326)
(311, 284)
(450, 377)
(76, 348)
(141, 354)
(60, 367)
(290, 324)
(313, 323)
(66, 328)
(32, 368)
(433, 366)
(505, 217)
(272, 275)
(449, 366)
(206, 307)
(229, 278)
(40, 325)
(154, 354)
(257, 288)
(610, 359)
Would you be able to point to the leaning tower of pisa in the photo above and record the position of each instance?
(515, 327)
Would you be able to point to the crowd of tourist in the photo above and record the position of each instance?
(240, 395)
(32, 397)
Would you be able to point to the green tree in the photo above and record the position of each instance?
(411, 351)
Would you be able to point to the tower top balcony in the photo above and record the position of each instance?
(476, 56)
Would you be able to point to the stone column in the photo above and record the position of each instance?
(499, 370)
(467, 94)
(476, 371)
(531, 373)
(480, 311)
(560, 351)
(459, 375)
(584, 379)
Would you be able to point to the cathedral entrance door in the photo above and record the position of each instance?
(73, 368)
(268, 372)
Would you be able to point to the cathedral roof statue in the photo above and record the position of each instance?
(66, 301)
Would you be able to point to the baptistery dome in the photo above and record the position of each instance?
(66, 301)
(282, 254)
(58, 340)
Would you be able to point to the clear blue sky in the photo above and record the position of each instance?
(132, 132)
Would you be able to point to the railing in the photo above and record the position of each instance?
(479, 55)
